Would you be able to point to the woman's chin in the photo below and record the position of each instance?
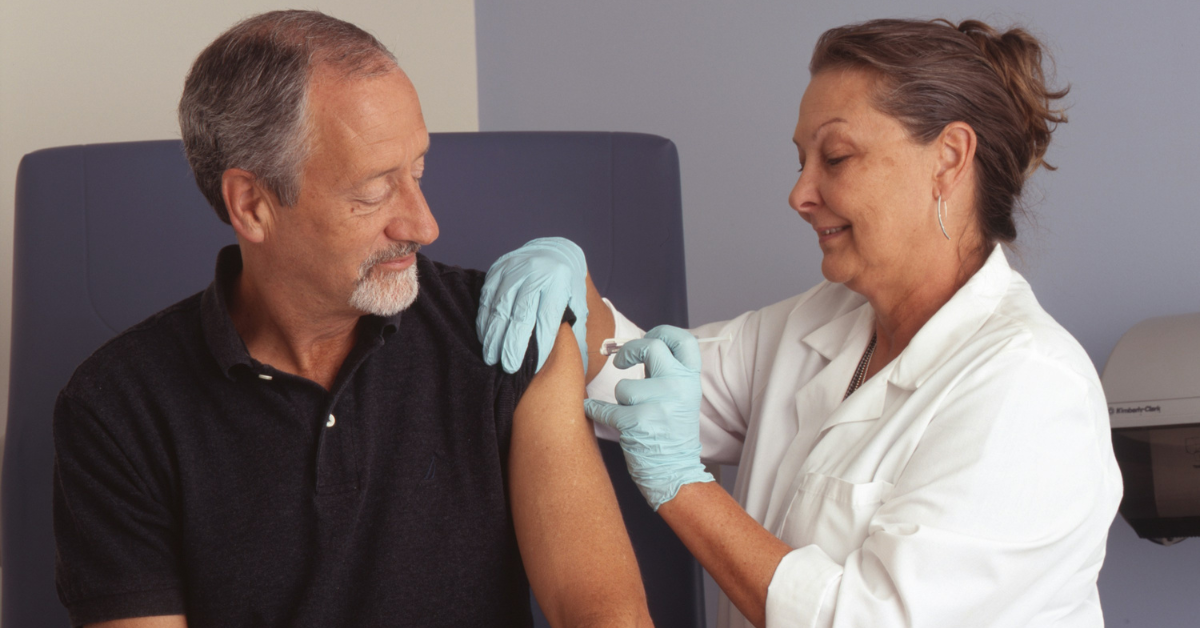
(833, 271)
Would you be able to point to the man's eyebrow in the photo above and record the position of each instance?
(383, 173)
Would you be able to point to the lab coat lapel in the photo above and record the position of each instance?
(836, 341)
(820, 399)
(863, 405)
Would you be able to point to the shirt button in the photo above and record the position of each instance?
(331, 421)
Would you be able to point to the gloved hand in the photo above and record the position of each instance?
(658, 417)
(533, 284)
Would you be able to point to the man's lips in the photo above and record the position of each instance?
(398, 263)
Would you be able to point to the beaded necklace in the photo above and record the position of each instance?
(860, 373)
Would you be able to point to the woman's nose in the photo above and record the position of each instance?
(804, 197)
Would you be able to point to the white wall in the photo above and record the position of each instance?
(1115, 229)
(74, 72)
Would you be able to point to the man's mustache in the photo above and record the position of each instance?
(395, 251)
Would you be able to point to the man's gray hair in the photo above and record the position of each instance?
(244, 103)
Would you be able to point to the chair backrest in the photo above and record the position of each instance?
(108, 234)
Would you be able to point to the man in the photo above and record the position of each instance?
(314, 440)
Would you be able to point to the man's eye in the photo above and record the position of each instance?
(373, 200)
(833, 161)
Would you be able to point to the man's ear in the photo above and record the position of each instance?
(251, 207)
(956, 158)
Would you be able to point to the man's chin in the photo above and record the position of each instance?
(386, 292)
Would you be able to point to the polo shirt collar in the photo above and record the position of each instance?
(938, 339)
(219, 333)
(222, 337)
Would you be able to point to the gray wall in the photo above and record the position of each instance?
(1112, 240)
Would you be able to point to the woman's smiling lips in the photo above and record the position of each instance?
(827, 233)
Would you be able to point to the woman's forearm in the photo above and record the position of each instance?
(735, 549)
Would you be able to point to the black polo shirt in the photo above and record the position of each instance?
(192, 479)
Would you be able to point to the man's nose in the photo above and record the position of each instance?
(412, 220)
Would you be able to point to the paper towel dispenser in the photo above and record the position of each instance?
(1152, 382)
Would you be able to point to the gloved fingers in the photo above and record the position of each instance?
(633, 352)
(516, 344)
(511, 300)
(486, 313)
(631, 392)
(549, 319)
(570, 252)
(577, 301)
(523, 317)
(681, 342)
(492, 337)
(655, 354)
(501, 285)
(500, 289)
(620, 418)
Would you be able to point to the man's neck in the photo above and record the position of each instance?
(288, 333)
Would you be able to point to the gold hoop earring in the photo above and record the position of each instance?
(939, 215)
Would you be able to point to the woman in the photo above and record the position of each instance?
(919, 442)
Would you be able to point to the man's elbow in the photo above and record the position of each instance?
(617, 611)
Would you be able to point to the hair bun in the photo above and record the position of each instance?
(1016, 56)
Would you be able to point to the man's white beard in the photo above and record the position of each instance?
(384, 292)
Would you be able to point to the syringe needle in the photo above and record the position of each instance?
(613, 345)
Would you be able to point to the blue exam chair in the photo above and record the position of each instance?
(108, 234)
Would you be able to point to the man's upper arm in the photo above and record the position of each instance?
(572, 538)
(115, 537)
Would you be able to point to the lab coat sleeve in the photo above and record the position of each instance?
(1005, 502)
(724, 380)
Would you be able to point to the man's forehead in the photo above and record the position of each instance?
(362, 128)
(369, 108)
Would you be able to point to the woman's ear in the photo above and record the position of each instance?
(956, 158)
(250, 206)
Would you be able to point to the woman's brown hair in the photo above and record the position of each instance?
(934, 73)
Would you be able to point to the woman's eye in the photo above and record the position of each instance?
(833, 161)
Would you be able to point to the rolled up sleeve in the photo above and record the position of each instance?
(803, 590)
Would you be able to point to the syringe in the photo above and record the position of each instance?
(612, 345)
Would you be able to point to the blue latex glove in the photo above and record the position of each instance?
(658, 417)
(533, 284)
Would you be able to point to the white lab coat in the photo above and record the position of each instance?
(971, 482)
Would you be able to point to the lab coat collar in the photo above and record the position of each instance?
(938, 339)
(953, 324)
(834, 338)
